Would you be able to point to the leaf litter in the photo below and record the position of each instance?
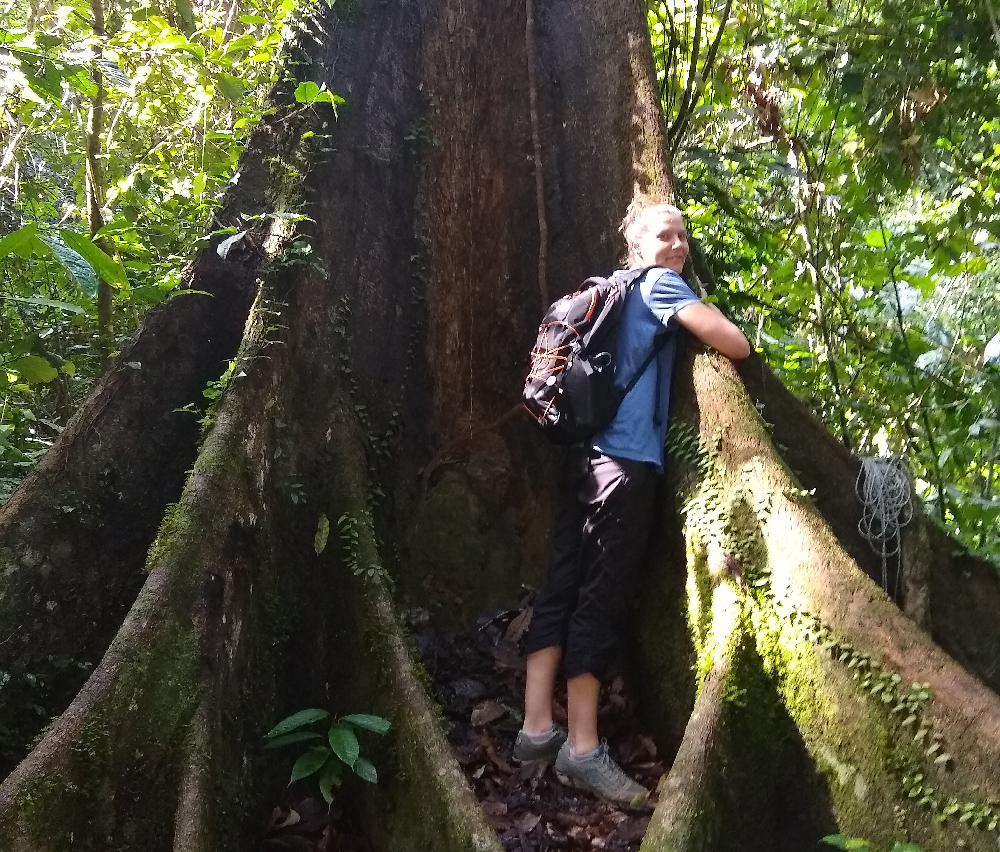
(478, 680)
(304, 823)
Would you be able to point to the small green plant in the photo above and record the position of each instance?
(330, 754)
(858, 845)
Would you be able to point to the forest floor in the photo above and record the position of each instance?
(478, 681)
(304, 823)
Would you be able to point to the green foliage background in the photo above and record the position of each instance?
(840, 163)
(181, 87)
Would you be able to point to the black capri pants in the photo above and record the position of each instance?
(602, 527)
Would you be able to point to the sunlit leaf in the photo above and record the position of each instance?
(877, 238)
(19, 242)
(83, 82)
(109, 269)
(231, 87)
(34, 369)
(312, 93)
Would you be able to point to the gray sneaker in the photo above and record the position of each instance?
(597, 773)
(539, 749)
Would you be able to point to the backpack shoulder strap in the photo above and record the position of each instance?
(659, 340)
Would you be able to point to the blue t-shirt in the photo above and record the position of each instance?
(636, 432)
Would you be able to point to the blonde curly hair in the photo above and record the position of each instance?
(636, 223)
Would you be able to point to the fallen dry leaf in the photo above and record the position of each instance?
(485, 712)
(527, 822)
(518, 626)
(293, 818)
(648, 746)
(494, 808)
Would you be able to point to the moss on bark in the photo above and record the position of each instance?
(828, 665)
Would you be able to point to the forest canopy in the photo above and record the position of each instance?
(838, 163)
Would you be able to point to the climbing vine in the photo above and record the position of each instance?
(712, 517)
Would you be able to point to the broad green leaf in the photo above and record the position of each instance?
(297, 720)
(109, 269)
(198, 184)
(294, 737)
(48, 84)
(231, 87)
(344, 744)
(19, 242)
(329, 779)
(185, 12)
(366, 770)
(34, 369)
(307, 92)
(368, 722)
(312, 93)
(322, 534)
(148, 294)
(311, 762)
(74, 263)
(81, 80)
(173, 41)
(878, 238)
(47, 303)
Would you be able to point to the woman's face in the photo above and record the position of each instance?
(665, 241)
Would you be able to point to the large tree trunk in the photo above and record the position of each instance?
(370, 392)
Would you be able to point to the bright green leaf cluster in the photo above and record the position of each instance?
(329, 755)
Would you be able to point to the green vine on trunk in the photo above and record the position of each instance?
(710, 516)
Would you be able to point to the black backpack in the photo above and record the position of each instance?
(570, 389)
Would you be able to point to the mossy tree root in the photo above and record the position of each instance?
(128, 760)
(74, 536)
(161, 749)
(894, 761)
(423, 801)
(952, 593)
(686, 818)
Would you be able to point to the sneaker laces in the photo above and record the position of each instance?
(620, 778)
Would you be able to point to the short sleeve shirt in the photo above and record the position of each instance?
(639, 429)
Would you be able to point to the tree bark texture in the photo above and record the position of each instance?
(388, 331)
